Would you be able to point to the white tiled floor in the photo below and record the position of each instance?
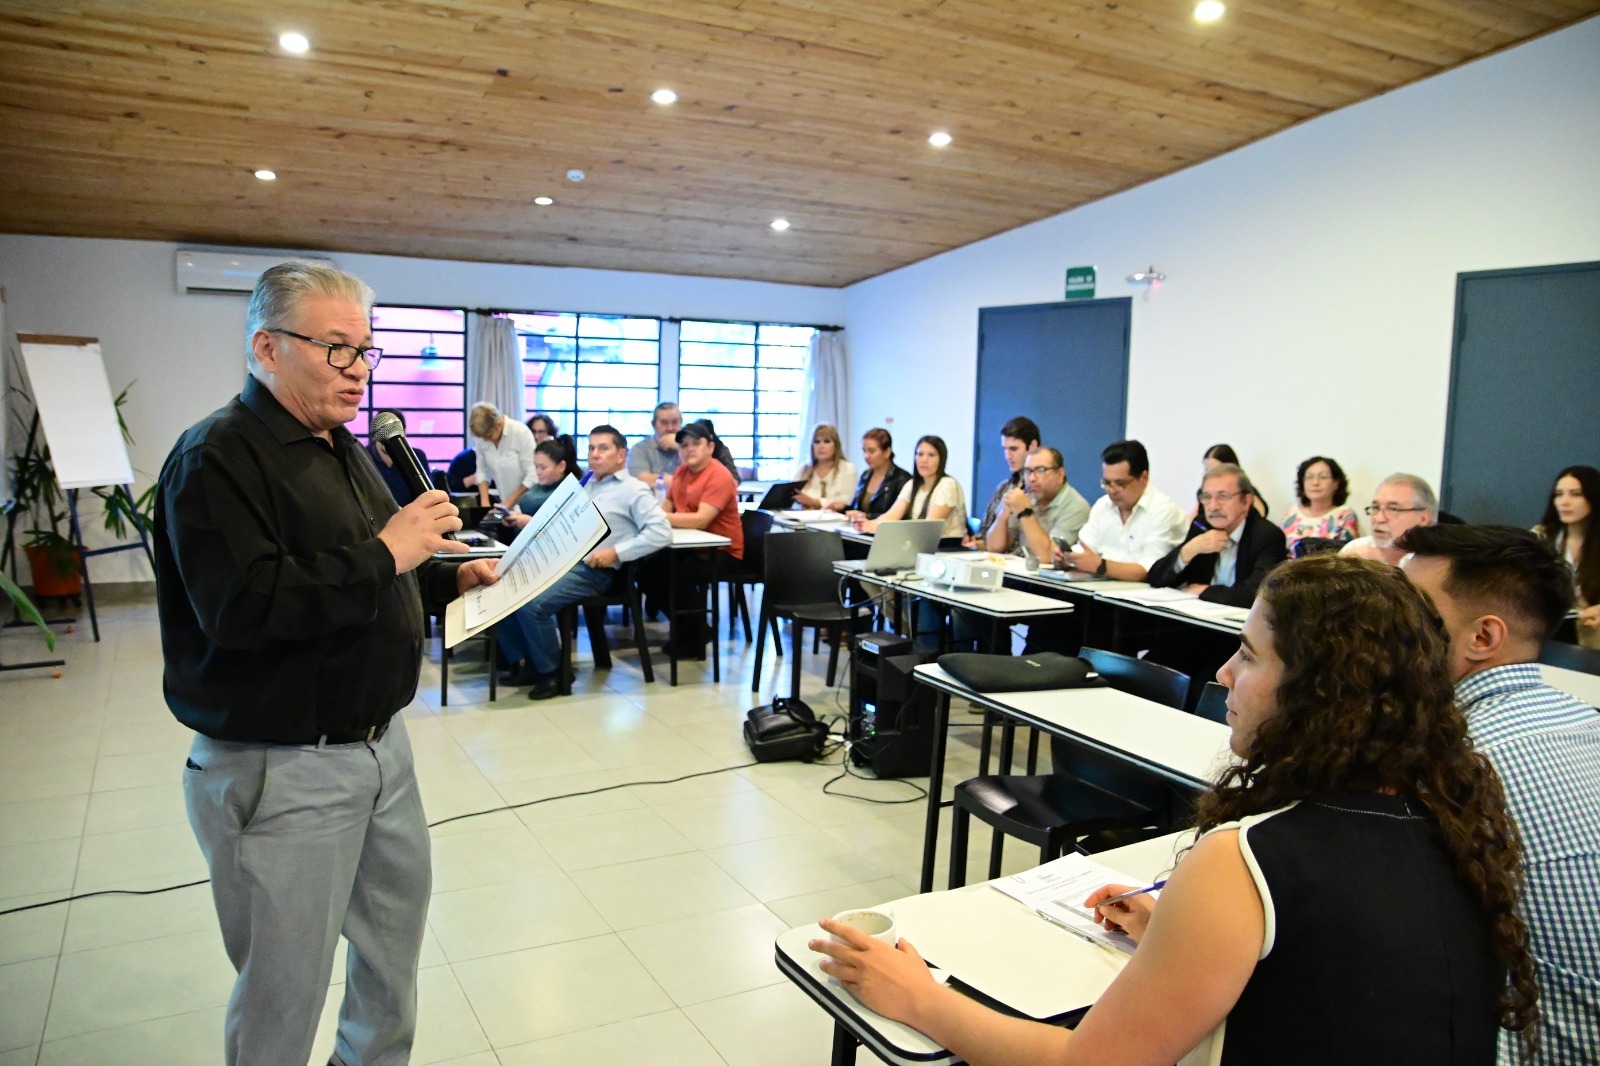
(631, 926)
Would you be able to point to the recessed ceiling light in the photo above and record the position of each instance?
(543, 201)
(939, 139)
(664, 96)
(266, 175)
(780, 224)
(1208, 10)
(294, 43)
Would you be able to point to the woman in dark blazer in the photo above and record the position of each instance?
(882, 480)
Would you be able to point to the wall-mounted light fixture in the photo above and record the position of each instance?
(1147, 277)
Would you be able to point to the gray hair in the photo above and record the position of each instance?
(665, 406)
(280, 290)
(1232, 470)
(1421, 491)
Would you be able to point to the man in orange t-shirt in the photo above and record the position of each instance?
(703, 496)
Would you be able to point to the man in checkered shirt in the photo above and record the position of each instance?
(1502, 593)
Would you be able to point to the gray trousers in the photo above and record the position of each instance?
(306, 843)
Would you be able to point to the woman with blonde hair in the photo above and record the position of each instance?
(505, 455)
(829, 479)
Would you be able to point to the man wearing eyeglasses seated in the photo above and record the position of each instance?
(1226, 559)
(1049, 510)
(1402, 502)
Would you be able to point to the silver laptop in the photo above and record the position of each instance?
(895, 545)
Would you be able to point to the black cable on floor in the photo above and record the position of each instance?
(431, 825)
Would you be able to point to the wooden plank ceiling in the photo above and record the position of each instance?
(428, 127)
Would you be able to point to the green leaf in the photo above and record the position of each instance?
(26, 609)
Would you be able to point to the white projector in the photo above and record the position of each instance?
(960, 571)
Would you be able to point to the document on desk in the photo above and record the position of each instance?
(1221, 612)
(1158, 597)
(1057, 891)
(560, 534)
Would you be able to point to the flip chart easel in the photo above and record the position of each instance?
(74, 409)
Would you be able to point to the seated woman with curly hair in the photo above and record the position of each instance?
(1351, 897)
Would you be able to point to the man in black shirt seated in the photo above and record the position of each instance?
(1225, 559)
(287, 582)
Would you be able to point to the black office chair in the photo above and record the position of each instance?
(1315, 546)
(624, 594)
(1139, 677)
(1026, 807)
(802, 588)
(1571, 657)
(1213, 703)
(751, 570)
(1089, 793)
(492, 655)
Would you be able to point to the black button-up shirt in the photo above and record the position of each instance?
(282, 618)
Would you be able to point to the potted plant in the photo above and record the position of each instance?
(26, 610)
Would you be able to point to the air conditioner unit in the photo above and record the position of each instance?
(228, 272)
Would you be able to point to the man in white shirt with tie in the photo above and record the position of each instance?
(1131, 526)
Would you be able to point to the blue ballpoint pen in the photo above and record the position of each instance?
(1131, 894)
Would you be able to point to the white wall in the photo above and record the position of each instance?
(1311, 277)
(186, 352)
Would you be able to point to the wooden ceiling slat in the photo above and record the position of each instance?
(419, 128)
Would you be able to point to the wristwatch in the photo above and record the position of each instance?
(1026, 512)
(1100, 571)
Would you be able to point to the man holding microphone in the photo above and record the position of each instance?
(290, 589)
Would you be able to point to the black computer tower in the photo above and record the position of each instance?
(890, 714)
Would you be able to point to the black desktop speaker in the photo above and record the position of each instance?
(896, 740)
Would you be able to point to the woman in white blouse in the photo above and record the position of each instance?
(829, 479)
(931, 493)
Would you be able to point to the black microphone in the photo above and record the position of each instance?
(389, 433)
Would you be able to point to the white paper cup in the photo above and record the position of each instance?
(878, 923)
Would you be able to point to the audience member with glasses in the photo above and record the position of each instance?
(1322, 489)
(1401, 502)
(1214, 457)
(1129, 528)
(1225, 559)
(1045, 513)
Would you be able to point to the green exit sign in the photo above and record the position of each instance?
(1080, 283)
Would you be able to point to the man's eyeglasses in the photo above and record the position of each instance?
(340, 356)
(1390, 509)
(1116, 484)
(1217, 497)
(1038, 471)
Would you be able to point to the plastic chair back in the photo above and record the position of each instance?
(799, 568)
(1213, 703)
(757, 524)
(1570, 657)
(1159, 684)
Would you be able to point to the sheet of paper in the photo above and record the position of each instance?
(811, 517)
(564, 530)
(1162, 597)
(1206, 609)
(1059, 888)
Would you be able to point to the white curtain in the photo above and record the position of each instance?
(494, 366)
(826, 398)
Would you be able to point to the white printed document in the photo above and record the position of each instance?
(1057, 890)
(558, 537)
(1162, 597)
